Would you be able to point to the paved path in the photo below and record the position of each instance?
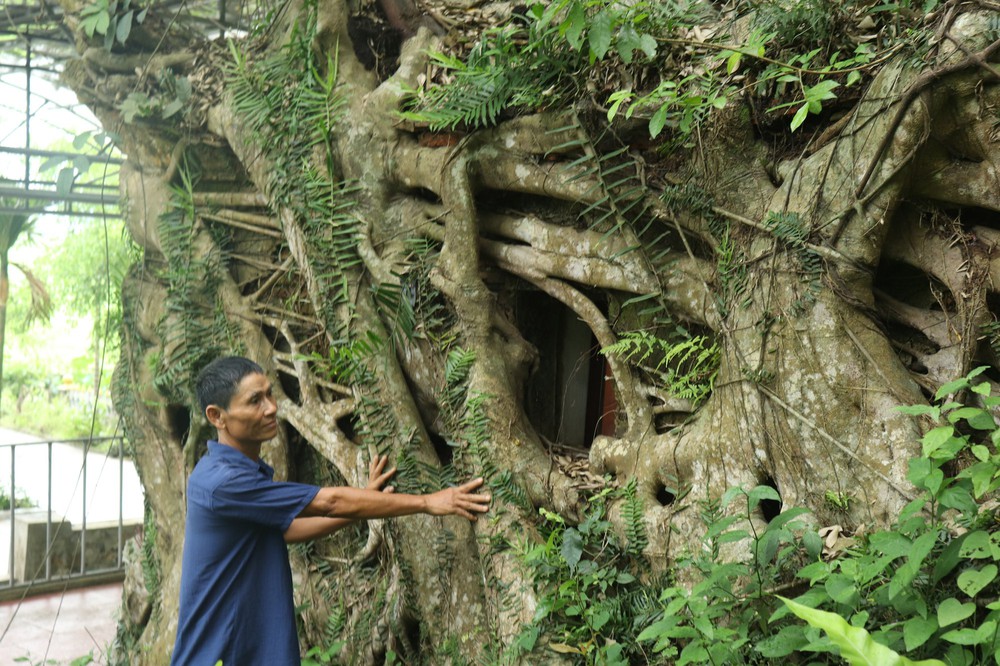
(60, 627)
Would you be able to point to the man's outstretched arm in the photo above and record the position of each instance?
(307, 529)
(336, 507)
(359, 504)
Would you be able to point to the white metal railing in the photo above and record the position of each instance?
(88, 503)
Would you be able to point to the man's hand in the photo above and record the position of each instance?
(376, 477)
(458, 501)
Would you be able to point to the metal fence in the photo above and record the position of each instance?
(70, 510)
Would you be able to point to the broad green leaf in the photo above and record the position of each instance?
(935, 438)
(856, 645)
(599, 619)
(891, 544)
(572, 547)
(81, 139)
(760, 493)
(948, 559)
(919, 410)
(951, 387)
(981, 452)
(982, 475)
(962, 637)
(951, 610)
(813, 543)
(103, 21)
(822, 90)
(657, 122)
(976, 545)
(599, 35)
(958, 497)
(842, 589)
(982, 388)
(976, 417)
(124, 27)
(917, 630)
(973, 581)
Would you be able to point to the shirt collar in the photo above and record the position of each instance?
(232, 456)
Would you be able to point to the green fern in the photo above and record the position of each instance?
(790, 230)
(633, 512)
(512, 66)
(687, 368)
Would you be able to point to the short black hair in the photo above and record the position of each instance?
(217, 381)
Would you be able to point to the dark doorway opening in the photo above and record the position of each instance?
(570, 397)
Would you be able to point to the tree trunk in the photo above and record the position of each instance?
(431, 297)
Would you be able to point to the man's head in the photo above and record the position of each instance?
(236, 396)
(217, 382)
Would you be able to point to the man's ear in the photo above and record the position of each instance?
(214, 415)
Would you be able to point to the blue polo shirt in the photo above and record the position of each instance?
(236, 584)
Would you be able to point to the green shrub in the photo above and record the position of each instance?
(926, 588)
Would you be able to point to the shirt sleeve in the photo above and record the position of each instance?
(257, 500)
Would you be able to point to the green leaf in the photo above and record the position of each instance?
(572, 547)
(948, 559)
(951, 610)
(920, 410)
(962, 637)
(958, 497)
(976, 417)
(935, 438)
(800, 116)
(124, 27)
(917, 630)
(760, 493)
(951, 387)
(171, 108)
(103, 21)
(981, 475)
(976, 546)
(813, 543)
(856, 645)
(821, 91)
(973, 581)
(64, 181)
(599, 35)
(733, 62)
(573, 26)
(842, 589)
(658, 120)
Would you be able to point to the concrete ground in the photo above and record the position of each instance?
(55, 629)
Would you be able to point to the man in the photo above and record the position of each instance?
(236, 586)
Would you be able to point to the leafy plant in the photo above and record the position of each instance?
(685, 368)
(174, 95)
(111, 18)
(19, 498)
(590, 597)
(856, 644)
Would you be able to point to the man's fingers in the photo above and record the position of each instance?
(471, 485)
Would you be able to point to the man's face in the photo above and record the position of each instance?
(251, 417)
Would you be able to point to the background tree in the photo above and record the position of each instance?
(561, 245)
(12, 227)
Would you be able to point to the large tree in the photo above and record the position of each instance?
(584, 248)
